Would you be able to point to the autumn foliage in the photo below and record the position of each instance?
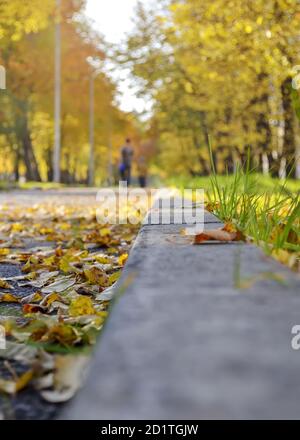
(26, 118)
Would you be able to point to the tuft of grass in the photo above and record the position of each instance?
(269, 217)
(265, 209)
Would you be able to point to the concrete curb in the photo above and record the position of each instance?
(184, 342)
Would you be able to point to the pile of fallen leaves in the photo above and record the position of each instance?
(69, 263)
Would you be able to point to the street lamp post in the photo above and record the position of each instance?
(57, 97)
(91, 171)
(110, 165)
(91, 168)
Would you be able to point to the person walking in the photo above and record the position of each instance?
(142, 171)
(126, 162)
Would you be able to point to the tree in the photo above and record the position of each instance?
(26, 122)
(222, 69)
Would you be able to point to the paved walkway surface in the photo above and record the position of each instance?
(28, 404)
(184, 342)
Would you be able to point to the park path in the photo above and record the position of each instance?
(63, 196)
(185, 342)
(36, 207)
(28, 404)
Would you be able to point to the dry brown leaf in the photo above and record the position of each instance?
(226, 234)
(33, 308)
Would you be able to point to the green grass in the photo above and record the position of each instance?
(5, 185)
(40, 185)
(266, 210)
(260, 183)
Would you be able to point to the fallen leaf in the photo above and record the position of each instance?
(103, 259)
(49, 299)
(33, 308)
(4, 284)
(41, 280)
(82, 305)
(12, 386)
(227, 234)
(24, 380)
(7, 386)
(59, 286)
(95, 275)
(65, 264)
(4, 252)
(69, 375)
(114, 277)
(104, 232)
(9, 298)
(19, 352)
(33, 298)
(107, 294)
(60, 333)
(122, 259)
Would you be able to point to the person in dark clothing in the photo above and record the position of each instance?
(142, 172)
(126, 162)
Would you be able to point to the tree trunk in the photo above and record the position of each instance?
(229, 162)
(49, 162)
(264, 145)
(289, 148)
(16, 164)
(32, 172)
(212, 155)
(203, 163)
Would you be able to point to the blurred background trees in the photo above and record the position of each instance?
(221, 69)
(218, 72)
(26, 124)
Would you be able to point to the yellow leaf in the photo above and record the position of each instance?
(24, 380)
(9, 298)
(114, 277)
(82, 305)
(122, 259)
(4, 252)
(17, 227)
(65, 226)
(33, 298)
(4, 285)
(49, 299)
(96, 276)
(102, 259)
(65, 265)
(61, 333)
(49, 261)
(105, 232)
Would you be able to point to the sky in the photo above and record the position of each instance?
(113, 18)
